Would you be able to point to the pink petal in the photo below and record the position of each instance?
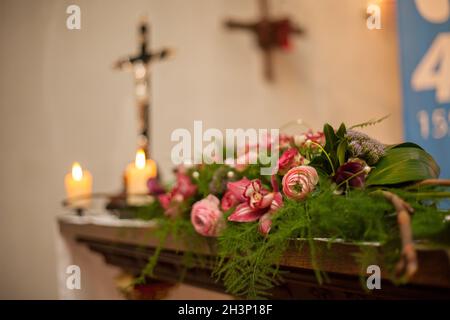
(266, 200)
(244, 213)
(253, 187)
(238, 188)
(265, 223)
(213, 200)
(277, 202)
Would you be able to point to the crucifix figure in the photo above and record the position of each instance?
(140, 64)
(271, 34)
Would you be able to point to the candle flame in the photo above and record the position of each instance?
(140, 159)
(77, 172)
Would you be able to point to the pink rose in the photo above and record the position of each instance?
(290, 158)
(299, 182)
(229, 200)
(206, 217)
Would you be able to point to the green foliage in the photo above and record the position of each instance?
(248, 263)
(148, 212)
(334, 152)
(428, 222)
(205, 176)
(244, 264)
(403, 164)
(369, 123)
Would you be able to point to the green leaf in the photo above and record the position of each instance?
(331, 138)
(341, 131)
(403, 164)
(405, 145)
(331, 144)
(341, 151)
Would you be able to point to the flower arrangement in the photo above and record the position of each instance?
(328, 184)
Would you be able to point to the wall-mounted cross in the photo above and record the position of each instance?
(140, 64)
(271, 34)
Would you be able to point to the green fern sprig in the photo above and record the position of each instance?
(370, 122)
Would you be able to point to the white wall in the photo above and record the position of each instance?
(60, 100)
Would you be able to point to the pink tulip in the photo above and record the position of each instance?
(206, 217)
(299, 182)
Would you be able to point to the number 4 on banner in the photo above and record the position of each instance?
(433, 72)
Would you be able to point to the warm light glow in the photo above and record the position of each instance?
(77, 172)
(140, 159)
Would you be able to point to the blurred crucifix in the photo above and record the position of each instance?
(271, 34)
(139, 64)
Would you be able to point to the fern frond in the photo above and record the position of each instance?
(370, 122)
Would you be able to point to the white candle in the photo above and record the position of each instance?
(137, 174)
(78, 184)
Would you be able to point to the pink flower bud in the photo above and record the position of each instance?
(265, 223)
(290, 158)
(229, 200)
(206, 217)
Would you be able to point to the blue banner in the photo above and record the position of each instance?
(424, 36)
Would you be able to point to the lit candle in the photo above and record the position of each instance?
(136, 177)
(78, 184)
